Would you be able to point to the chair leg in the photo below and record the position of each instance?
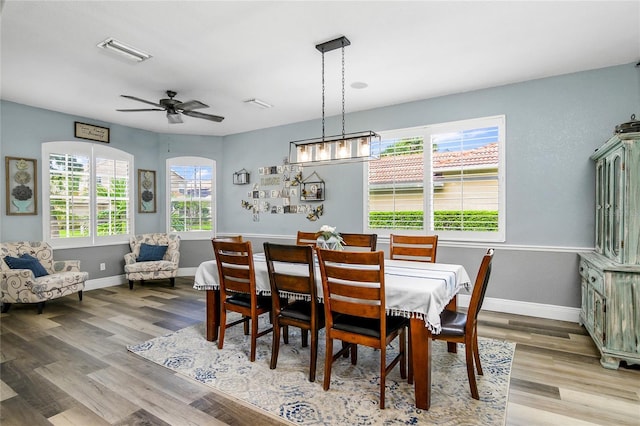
(246, 326)
(328, 360)
(275, 346)
(254, 338)
(80, 295)
(305, 338)
(40, 306)
(314, 355)
(476, 353)
(173, 281)
(285, 334)
(5, 307)
(403, 353)
(354, 354)
(470, 370)
(130, 285)
(223, 325)
(383, 374)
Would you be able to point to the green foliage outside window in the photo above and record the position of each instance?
(190, 216)
(445, 220)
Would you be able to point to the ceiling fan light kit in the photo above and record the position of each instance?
(174, 108)
(343, 148)
(258, 103)
(129, 52)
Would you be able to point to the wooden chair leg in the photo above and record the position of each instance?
(246, 326)
(328, 360)
(383, 374)
(5, 307)
(403, 353)
(314, 355)
(130, 284)
(476, 353)
(254, 338)
(305, 338)
(470, 369)
(286, 334)
(80, 295)
(410, 356)
(40, 306)
(173, 281)
(223, 326)
(275, 346)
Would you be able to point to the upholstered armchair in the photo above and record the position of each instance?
(148, 259)
(51, 280)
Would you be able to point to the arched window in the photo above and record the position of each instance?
(87, 194)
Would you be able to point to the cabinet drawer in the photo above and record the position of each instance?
(596, 280)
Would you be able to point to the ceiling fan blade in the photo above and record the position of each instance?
(197, 114)
(142, 100)
(189, 105)
(137, 110)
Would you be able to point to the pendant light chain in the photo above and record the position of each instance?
(342, 89)
(323, 95)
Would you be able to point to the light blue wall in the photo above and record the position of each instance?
(553, 125)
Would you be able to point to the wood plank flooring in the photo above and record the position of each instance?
(69, 366)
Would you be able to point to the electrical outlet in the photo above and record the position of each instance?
(103, 266)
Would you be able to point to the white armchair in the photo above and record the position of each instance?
(22, 286)
(166, 267)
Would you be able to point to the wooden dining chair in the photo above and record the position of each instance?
(307, 238)
(304, 311)
(420, 248)
(358, 242)
(354, 307)
(458, 327)
(238, 289)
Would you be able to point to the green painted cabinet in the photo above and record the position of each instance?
(610, 276)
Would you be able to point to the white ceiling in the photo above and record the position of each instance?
(225, 52)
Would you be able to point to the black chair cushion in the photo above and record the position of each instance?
(243, 299)
(301, 310)
(453, 323)
(367, 326)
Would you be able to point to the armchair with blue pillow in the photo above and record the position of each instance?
(153, 257)
(30, 275)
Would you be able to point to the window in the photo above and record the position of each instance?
(190, 186)
(88, 190)
(445, 179)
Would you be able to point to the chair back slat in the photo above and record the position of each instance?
(353, 308)
(303, 280)
(479, 289)
(359, 241)
(420, 248)
(307, 238)
(235, 266)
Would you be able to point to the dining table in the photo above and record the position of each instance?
(419, 291)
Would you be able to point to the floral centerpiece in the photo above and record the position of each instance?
(329, 238)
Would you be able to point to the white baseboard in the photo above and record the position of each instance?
(104, 282)
(539, 310)
(561, 313)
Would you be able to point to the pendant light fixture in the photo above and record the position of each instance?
(343, 148)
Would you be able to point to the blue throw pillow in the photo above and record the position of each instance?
(26, 261)
(149, 253)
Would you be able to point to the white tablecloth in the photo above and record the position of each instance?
(412, 289)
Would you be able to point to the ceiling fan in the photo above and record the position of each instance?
(174, 108)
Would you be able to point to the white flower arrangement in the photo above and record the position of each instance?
(331, 238)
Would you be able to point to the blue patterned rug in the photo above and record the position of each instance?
(354, 394)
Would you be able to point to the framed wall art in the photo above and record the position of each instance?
(22, 186)
(91, 132)
(146, 191)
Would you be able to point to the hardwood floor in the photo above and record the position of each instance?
(69, 366)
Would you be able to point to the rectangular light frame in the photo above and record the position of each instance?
(347, 148)
(113, 45)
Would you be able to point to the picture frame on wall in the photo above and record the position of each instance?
(146, 191)
(21, 177)
(91, 132)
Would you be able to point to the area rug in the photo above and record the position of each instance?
(353, 398)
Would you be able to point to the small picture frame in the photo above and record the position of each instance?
(146, 191)
(21, 186)
(91, 132)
